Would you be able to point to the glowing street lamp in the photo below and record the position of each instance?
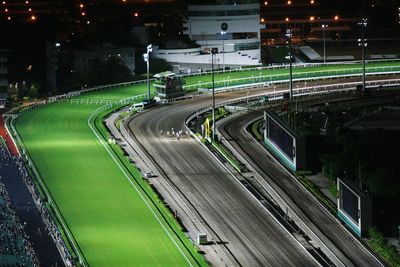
(146, 57)
(324, 26)
(363, 43)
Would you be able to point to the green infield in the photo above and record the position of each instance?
(108, 217)
(245, 76)
(108, 211)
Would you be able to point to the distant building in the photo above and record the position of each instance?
(306, 19)
(83, 58)
(3, 70)
(232, 28)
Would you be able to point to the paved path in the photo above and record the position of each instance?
(10, 143)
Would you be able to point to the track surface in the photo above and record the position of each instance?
(250, 235)
(345, 246)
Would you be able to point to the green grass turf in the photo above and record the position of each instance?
(109, 220)
(107, 217)
(116, 93)
(284, 71)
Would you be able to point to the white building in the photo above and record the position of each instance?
(233, 29)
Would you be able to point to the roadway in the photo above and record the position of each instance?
(346, 247)
(249, 235)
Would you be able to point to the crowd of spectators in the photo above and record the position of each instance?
(15, 249)
(47, 218)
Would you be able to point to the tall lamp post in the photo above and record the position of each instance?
(146, 57)
(289, 36)
(213, 52)
(223, 49)
(324, 26)
(363, 43)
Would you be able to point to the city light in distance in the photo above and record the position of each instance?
(33, 18)
(336, 17)
(81, 5)
(312, 18)
(136, 14)
(287, 19)
(289, 2)
(266, 3)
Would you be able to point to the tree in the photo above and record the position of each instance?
(34, 90)
(158, 65)
(111, 71)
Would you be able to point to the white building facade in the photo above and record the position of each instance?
(233, 29)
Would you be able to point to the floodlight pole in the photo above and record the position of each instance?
(147, 59)
(363, 43)
(324, 26)
(223, 50)
(289, 35)
(213, 94)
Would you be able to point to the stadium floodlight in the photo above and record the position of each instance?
(213, 51)
(363, 43)
(289, 35)
(324, 26)
(223, 50)
(146, 58)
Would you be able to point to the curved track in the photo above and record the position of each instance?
(249, 234)
(347, 248)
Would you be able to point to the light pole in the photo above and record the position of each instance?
(223, 49)
(289, 36)
(363, 43)
(213, 52)
(146, 57)
(324, 26)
